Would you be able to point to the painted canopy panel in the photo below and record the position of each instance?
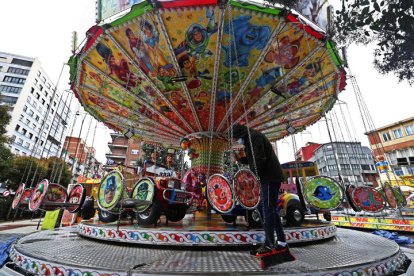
(175, 70)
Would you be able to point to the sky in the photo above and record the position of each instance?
(43, 29)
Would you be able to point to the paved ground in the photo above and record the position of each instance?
(19, 227)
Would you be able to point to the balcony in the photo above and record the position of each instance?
(115, 156)
(111, 145)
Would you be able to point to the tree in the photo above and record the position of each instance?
(31, 170)
(53, 169)
(22, 169)
(389, 24)
(6, 157)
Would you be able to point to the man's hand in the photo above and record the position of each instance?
(239, 154)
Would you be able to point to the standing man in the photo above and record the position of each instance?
(262, 160)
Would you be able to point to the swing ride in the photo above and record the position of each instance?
(182, 73)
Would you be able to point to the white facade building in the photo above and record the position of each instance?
(40, 114)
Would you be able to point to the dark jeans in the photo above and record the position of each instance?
(270, 218)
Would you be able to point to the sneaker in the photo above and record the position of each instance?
(264, 251)
(280, 249)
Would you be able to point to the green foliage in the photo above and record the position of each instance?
(390, 24)
(6, 157)
(5, 204)
(53, 169)
(29, 169)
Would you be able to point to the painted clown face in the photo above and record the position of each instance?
(220, 194)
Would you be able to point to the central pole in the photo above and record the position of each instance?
(209, 149)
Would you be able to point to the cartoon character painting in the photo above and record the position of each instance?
(109, 191)
(390, 196)
(284, 54)
(165, 74)
(368, 199)
(197, 38)
(38, 194)
(311, 70)
(120, 68)
(201, 100)
(245, 37)
(323, 193)
(137, 47)
(189, 69)
(220, 193)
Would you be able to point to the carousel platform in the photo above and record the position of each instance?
(200, 232)
(64, 252)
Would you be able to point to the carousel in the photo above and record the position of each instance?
(182, 73)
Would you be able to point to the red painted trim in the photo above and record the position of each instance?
(186, 3)
(342, 83)
(92, 34)
(307, 28)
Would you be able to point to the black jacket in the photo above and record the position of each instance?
(268, 166)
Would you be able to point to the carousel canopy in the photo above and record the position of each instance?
(169, 69)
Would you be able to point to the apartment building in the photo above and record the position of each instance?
(39, 112)
(396, 142)
(350, 161)
(123, 151)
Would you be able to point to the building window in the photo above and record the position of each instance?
(10, 89)
(345, 166)
(37, 96)
(30, 112)
(355, 166)
(17, 127)
(332, 167)
(398, 133)
(41, 87)
(24, 131)
(386, 136)
(409, 130)
(14, 80)
(9, 99)
(19, 141)
(330, 157)
(18, 71)
(22, 62)
(24, 108)
(365, 167)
